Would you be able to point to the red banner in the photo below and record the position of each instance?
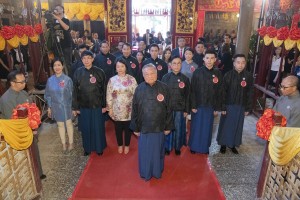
(220, 5)
(200, 25)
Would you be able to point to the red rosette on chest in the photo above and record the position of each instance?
(108, 61)
(133, 65)
(159, 67)
(160, 97)
(62, 84)
(181, 85)
(93, 80)
(215, 80)
(192, 68)
(243, 83)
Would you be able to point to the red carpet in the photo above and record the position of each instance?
(116, 176)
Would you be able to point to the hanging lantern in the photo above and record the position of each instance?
(86, 17)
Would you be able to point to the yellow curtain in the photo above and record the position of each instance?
(284, 144)
(94, 10)
(2, 43)
(267, 40)
(277, 42)
(289, 44)
(16, 132)
(14, 42)
(24, 40)
(35, 38)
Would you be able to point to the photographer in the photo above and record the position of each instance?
(60, 27)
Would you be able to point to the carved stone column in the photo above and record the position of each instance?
(245, 26)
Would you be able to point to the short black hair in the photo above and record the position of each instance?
(103, 42)
(82, 46)
(56, 59)
(240, 55)
(210, 51)
(154, 45)
(227, 34)
(12, 76)
(200, 43)
(87, 53)
(123, 61)
(127, 44)
(190, 49)
(174, 57)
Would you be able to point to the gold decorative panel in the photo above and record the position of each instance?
(185, 16)
(283, 182)
(117, 21)
(16, 176)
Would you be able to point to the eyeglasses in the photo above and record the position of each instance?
(282, 87)
(21, 82)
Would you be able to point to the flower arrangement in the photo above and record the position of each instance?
(266, 123)
(34, 114)
(289, 37)
(14, 35)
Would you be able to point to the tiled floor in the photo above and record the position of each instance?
(237, 174)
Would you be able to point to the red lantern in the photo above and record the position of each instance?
(86, 17)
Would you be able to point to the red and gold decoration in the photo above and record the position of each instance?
(185, 17)
(34, 114)
(289, 37)
(117, 16)
(228, 5)
(266, 123)
(18, 34)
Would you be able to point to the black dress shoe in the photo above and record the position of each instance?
(43, 176)
(193, 152)
(234, 150)
(167, 152)
(86, 154)
(100, 154)
(223, 149)
(177, 152)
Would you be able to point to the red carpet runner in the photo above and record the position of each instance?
(116, 176)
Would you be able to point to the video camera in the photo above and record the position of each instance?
(49, 17)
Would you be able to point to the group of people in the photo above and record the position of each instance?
(151, 38)
(151, 99)
(151, 96)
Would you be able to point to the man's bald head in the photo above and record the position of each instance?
(291, 80)
(289, 85)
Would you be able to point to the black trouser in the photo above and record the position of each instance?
(67, 59)
(121, 126)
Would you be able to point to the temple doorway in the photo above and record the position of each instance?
(154, 15)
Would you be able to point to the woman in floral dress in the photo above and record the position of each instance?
(120, 90)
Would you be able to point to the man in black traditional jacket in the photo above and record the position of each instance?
(179, 86)
(131, 62)
(161, 66)
(106, 61)
(89, 101)
(151, 120)
(206, 95)
(237, 102)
